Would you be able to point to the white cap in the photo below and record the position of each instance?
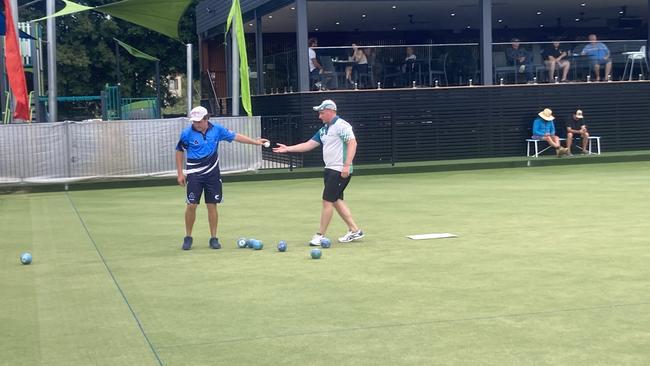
(198, 113)
(326, 104)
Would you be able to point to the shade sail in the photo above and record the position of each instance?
(161, 16)
(135, 52)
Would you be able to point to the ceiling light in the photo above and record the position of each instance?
(583, 4)
(577, 19)
(270, 16)
(363, 15)
(394, 28)
(468, 27)
(541, 25)
(394, 6)
(500, 20)
(453, 14)
(316, 29)
(293, 8)
(250, 24)
(337, 23)
(539, 12)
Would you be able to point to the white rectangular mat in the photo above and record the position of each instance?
(432, 236)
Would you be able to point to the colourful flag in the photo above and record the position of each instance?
(15, 72)
(235, 12)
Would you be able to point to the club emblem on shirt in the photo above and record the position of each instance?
(196, 142)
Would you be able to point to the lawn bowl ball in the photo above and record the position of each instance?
(325, 243)
(25, 258)
(316, 253)
(282, 246)
(242, 243)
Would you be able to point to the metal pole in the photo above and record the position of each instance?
(647, 42)
(235, 70)
(302, 48)
(259, 54)
(14, 13)
(36, 70)
(158, 106)
(486, 41)
(51, 62)
(117, 63)
(3, 78)
(189, 77)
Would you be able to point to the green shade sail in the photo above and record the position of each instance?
(70, 8)
(134, 51)
(161, 16)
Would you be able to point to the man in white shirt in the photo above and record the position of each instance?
(339, 147)
(314, 66)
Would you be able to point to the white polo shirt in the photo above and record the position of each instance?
(312, 56)
(334, 137)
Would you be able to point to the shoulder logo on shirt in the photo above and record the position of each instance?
(196, 142)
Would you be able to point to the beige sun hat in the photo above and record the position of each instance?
(546, 114)
(579, 114)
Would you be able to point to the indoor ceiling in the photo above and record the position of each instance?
(408, 15)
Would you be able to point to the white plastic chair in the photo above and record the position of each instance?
(631, 58)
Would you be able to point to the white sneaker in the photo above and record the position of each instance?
(351, 236)
(315, 240)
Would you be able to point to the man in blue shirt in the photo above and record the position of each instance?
(201, 140)
(598, 55)
(544, 129)
(522, 59)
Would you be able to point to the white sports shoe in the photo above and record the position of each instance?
(351, 236)
(315, 240)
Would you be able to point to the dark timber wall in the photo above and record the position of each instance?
(456, 123)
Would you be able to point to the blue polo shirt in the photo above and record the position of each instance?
(596, 51)
(201, 145)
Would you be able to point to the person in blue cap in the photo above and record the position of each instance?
(200, 141)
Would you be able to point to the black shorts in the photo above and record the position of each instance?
(334, 185)
(197, 184)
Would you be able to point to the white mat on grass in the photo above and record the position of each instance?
(432, 236)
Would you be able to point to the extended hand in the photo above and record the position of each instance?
(281, 149)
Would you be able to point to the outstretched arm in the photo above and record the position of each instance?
(247, 140)
(303, 147)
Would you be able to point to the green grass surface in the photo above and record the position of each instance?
(551, 268)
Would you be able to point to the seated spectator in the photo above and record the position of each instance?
(544, 129)
(575, 125)
(315, 67)
(554, 56)
(598, 55)
(359, 65)
(521, 58)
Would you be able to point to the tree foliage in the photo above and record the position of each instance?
(86, 53)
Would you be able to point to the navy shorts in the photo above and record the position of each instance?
(203, 175)
(198, 184)
(334, 185)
